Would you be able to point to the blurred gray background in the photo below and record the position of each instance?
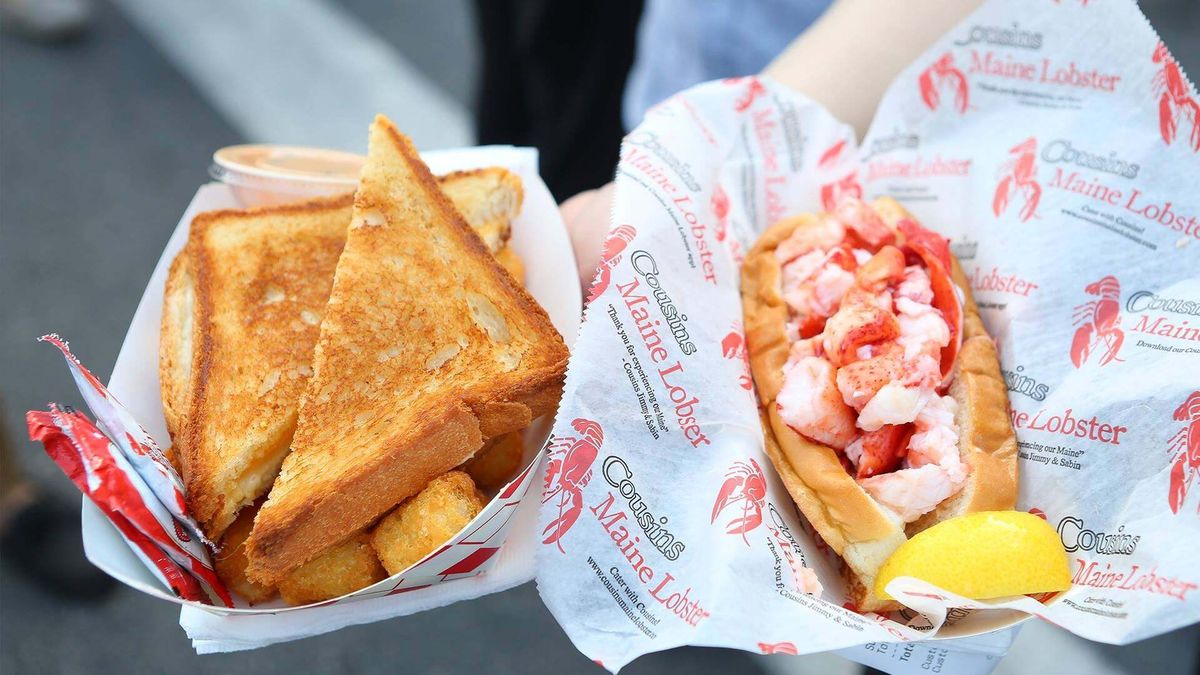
(103, 141)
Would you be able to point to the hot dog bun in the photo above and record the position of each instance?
(850, 521)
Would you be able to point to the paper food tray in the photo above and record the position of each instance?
(486, 544)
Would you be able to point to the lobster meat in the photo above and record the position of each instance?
(868, 379)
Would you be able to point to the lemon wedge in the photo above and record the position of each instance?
(984, 555)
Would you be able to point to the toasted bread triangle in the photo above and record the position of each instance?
(426, 348)
(296, 245)
(241, 315)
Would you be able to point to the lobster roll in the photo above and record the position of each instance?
(885, 409)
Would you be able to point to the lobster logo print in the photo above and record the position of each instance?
(846, 186)
(943, 73)
(1185, 448)
(1176, 101)
(617, 240)
(778, 648)
(745, 489)
(720, 207)
(733, 346)
(1019, 176)
(754, 89)
(570, 470)
(1099, 322)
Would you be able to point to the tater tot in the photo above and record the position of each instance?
(230, 561)
(342, 569)
(510, 261)
(426, 521)
(496, 461)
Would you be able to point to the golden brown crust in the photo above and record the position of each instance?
(339, 571)
(427, 346)
(489, 199)
(464, 231)
(510, 261)
(174, 352)
(302, 529)
(426, 521)
(847, 518)
(230, 562)
(314, 205)
(234, 434)
(497, 461)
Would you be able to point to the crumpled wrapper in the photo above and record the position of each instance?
(1057, 145)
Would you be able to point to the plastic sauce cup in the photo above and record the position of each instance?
(262, 175)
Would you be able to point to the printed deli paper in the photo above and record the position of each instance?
(1065, 172)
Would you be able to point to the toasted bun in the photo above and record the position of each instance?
(853, 524)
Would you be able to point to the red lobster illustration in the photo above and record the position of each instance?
(846, 186)
(745, 483)
(1020, 173)
(1185, 446)
(617, 240)
(1175, 100)
(943, 72)
(754, 89)
(778, 648)
(1098, 320)
(720, 207)
(733, 346)
(569, 472)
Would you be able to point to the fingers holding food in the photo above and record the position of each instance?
(424, 522)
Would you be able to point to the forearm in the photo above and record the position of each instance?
(848, 57)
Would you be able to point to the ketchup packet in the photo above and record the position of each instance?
(137, 445)
(128, 478)
(1064, 171)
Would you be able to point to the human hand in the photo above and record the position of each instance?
(587, 217)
